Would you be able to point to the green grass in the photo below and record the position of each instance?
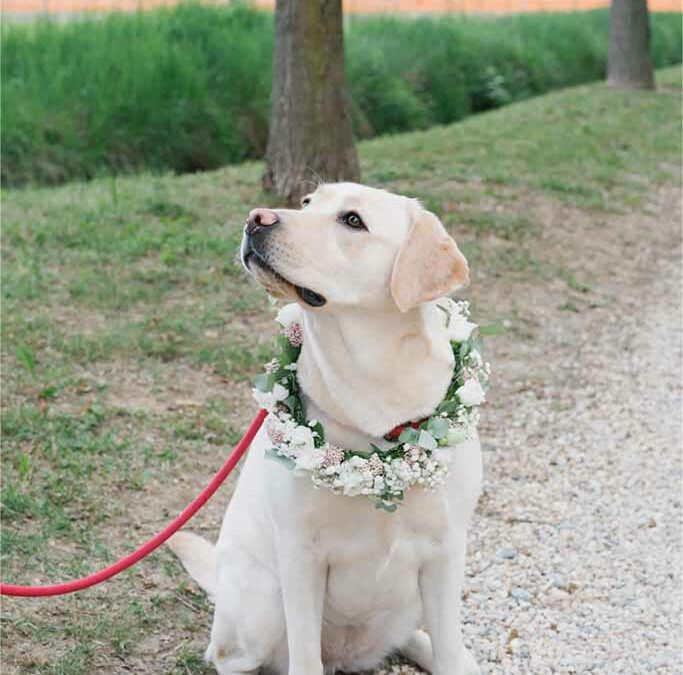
(188, 88)
(129, 333)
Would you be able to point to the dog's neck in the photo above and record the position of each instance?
(369, 372)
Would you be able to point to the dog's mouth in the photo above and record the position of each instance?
(310, 297)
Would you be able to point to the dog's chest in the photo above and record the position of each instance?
(374, 558)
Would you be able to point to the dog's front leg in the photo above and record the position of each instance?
(440, 586)
(304, 577)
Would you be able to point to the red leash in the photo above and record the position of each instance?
(154, 542)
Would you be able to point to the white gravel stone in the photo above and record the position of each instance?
(506, 553)
(582, 452)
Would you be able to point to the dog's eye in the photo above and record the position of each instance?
(305, 201)
(352, 219)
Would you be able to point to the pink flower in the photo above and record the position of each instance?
(294, 334)
(333, 456)
(376, 466)
(274, 432)
(413, 454)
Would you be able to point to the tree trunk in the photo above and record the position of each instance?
(310, 136)
(628, 59)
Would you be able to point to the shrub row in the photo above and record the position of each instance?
(188, 88)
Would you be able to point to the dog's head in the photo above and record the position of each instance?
(351, 245)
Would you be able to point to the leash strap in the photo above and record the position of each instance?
(157, 540)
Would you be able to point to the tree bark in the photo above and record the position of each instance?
(310, 138)
(629, 63)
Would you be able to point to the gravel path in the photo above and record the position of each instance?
(575, 552)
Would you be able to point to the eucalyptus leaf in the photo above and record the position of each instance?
(265, 382)
(271, 453)
(477, 343)
(447, 407)
(428, 434)
(288, 352)
(409, 435)
(437, 427)
(426, 440)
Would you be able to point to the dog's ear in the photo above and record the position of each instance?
(429, 264)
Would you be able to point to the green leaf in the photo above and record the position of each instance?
(447, 407)
(409, 435)
(49, 392)
(426, 440)
(390, 508)
(265, 381)
(359, 453)
(493, 329)
(437, 427)
(294, 405)
(272, 453)
(476, 343)
(288, 353)
(23, 465)
(26, 357)
(320, 438)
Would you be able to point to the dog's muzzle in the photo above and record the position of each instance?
(260, 223)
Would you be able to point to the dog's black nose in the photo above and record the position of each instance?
(260, 218)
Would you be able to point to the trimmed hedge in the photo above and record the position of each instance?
(188, 88)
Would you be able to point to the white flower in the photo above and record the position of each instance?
(424, 462)
(290, 313)
(471, 393)
(279, 392)
(459, 328)
(308, 459)
(270, 399)
(265, 399)
(448, 305)
(302, 446)
(274, 428)
(352, 478)
(302, 437)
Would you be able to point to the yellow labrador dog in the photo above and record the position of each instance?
(307, 582)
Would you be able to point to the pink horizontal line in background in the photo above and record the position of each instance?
(358, 6)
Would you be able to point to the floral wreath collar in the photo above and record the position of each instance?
(420, 455)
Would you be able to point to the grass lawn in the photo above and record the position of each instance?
(130, 332)
(164, 90)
